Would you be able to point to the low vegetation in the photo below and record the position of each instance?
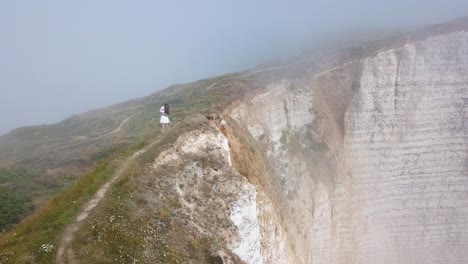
(29, 241)
(12, 208)
(133, 228)
(114, 234)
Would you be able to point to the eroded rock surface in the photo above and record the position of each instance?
(368, 160)
(405, 142)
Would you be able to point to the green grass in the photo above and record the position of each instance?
(12, 208)
(128, 229)
(115, 234)
(46, 225)
(17, 178)
(16, 195)
(189, 103)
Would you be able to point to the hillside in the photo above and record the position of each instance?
(358, 156)
(37, 162)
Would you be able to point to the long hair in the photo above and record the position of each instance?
(166, 109)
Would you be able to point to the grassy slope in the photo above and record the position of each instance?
(22, 245)
(46, 171)
(189, 103)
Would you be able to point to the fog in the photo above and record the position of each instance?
(59, 58)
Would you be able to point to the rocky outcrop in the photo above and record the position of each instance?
(217, 202)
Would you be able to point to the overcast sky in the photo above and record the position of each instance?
(59, 58)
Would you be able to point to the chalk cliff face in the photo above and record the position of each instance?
(406, 145)
(357, 157)
(367, 161)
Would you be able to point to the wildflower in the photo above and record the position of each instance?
(46, 248)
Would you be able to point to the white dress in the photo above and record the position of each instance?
(164, 117)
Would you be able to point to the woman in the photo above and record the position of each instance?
(164, 116)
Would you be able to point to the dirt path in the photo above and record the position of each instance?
(116, 130)
(65, 253)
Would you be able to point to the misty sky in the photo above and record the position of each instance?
(59, 58)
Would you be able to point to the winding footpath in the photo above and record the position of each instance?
(65, 254)
(116, 130)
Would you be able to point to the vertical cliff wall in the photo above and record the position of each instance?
(368, 160)
(406, 145)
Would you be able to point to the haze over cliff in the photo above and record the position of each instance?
(358, 156)
(390, 183)
(64, 58)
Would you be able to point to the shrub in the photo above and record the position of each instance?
(12, 208)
